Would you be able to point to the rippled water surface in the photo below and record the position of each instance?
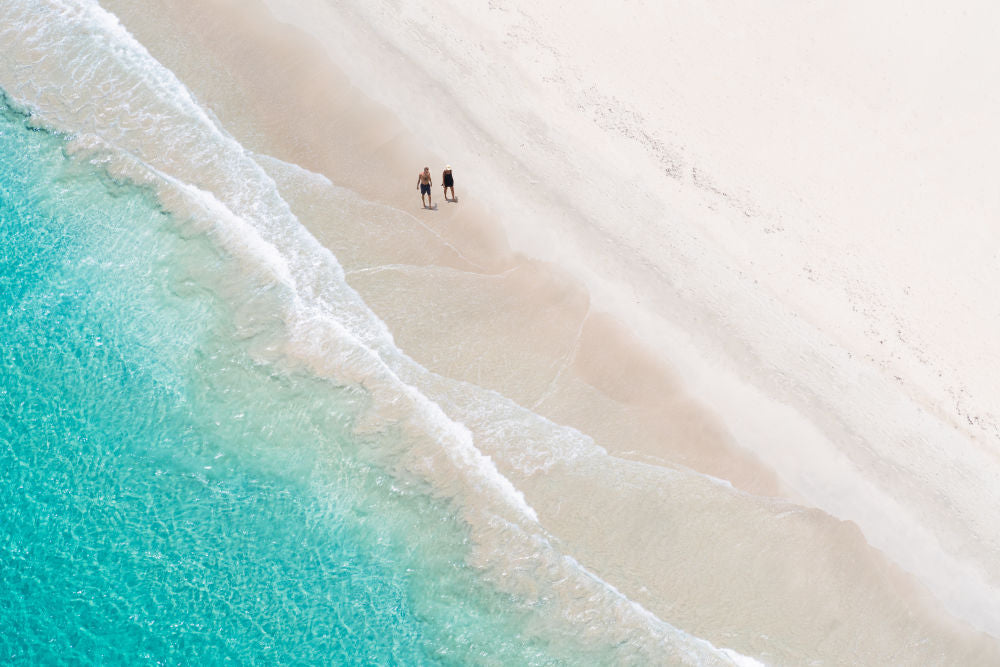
(168, 499)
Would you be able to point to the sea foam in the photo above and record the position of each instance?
(132, 118)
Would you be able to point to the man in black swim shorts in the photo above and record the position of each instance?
(448, 181)
(424, 183)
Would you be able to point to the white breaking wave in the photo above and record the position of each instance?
(120, 104)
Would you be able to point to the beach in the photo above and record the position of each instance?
(700, 363)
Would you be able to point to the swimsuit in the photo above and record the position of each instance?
(425, 189)
(448, 180)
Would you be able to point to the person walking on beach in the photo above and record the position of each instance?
(448, 181)
(424, 183)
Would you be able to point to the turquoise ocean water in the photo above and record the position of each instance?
(168, 500)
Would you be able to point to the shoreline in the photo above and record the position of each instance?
(592, 348)
(574, 352)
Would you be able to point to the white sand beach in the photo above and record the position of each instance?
(747, 252)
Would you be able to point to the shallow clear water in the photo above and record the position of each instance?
(166, 498)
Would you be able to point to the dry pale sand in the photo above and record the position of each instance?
(462, 304)
(501, 320)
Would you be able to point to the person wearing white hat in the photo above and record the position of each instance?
(448, 181)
